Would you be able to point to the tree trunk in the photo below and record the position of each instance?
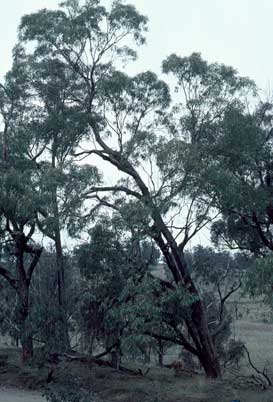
(116, 357)
(21, 283)
(160, 353)
(210, 366)
(196, 323)
(27, 344)
(196, 320)
(203, 341)
(24, 324)
(23, 301)
(63, 341)
(147, 354)
(116, 352)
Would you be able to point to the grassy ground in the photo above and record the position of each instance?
(160, 385)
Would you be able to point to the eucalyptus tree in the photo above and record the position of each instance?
(157, 154)
(237, 170)
(40, 130)
(110, 259)
(243, 158)
(45, 312)
(218, 272)
(104, 270)
(219, 276)
(18, 200)
(20, 252)
(59, 125)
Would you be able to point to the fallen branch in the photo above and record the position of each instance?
(99, 362)
(108, 350)
(260, 373)
(143, 374)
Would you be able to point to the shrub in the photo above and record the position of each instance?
(67, 393)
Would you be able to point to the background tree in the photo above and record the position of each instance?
(60, 128)
(18, 199)
(241, 187)
(107, 262)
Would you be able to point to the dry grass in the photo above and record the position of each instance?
(258, 338)
(160, 385)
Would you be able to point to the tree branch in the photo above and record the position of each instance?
(6, 274)
(33, 263)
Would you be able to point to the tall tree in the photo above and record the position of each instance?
(41, 129)
(60, 126)
(157, 155)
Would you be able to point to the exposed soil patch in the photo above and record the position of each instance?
(17, 395)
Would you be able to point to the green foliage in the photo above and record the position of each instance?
(66, 101)
(62, 29)
(104, 254)
(110, 262)
(259, 280)
(234, 232)
(151, 309)
(210, 80)
(217, 269)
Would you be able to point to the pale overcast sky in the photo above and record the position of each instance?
(234, 32)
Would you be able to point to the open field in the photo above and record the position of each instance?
(259, 339)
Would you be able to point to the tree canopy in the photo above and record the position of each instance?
(177, 160)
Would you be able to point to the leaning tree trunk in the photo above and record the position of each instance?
(197, 325)
(196, 320)
(199, 331)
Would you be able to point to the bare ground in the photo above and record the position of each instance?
(17, 395)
